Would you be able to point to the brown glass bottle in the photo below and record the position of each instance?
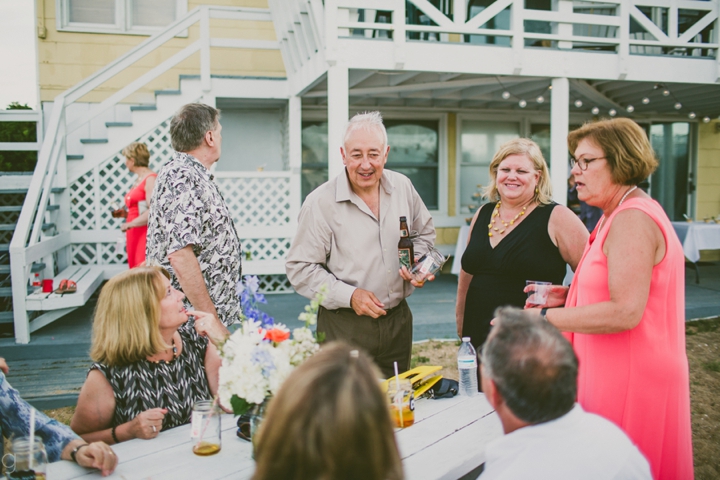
(406, 251)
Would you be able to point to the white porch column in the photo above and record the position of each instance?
(559, 119)
(294, 126)
(338, 106)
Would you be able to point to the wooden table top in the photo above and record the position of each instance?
(447, 441)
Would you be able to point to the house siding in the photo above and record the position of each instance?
(708, 178)
(66, 58)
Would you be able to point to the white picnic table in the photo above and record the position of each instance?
(447, 441)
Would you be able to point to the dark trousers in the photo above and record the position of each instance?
(386, 339)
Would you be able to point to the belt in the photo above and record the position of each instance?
(388, 311)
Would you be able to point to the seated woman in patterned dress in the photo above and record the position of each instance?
(153, 360)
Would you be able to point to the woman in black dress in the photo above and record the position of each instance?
(520, 235)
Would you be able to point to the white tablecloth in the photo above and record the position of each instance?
(696, 236)
(447, 441)
(460, 249)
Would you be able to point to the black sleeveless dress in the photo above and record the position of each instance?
(499, 274)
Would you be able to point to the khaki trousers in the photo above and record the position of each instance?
(386, 339)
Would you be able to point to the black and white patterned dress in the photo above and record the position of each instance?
(175, 385)
(188, 209)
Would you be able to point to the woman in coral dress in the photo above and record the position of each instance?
(625, 310)
(137, 202)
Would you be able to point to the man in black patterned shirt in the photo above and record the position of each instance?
(190, 230)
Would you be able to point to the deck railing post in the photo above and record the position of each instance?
(338, 106)
(205, 48)
(559, 119)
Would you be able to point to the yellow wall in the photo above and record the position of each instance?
(708, 177)
(66, 58)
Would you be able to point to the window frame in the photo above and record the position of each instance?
(395, 115)
(122, 20)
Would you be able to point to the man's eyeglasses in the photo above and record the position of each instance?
(582, 163)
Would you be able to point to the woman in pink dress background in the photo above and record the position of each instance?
(137, 159)
(625, 310)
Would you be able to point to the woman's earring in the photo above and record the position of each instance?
(536, 190)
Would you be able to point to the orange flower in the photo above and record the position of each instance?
(276, 335)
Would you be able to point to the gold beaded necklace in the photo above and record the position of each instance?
(492, 226)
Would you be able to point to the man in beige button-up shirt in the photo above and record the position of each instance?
(347, 239)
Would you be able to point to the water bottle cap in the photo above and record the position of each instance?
(466, 339)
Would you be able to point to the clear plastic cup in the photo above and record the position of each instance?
(26, 462)
(402, 402)
(538, 294)
(428, 264)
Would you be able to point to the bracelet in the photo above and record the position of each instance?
(76, 450)
(543, 314)
(114, 435)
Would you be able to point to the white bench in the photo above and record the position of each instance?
(87, 277)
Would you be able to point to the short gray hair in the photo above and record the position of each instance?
(366, 121)
(190, 124)
(532, 365)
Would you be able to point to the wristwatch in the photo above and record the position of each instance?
(543, 314)
(76, 450)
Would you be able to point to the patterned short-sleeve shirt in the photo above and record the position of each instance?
(188, 209)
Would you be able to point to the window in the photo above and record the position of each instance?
(118, 16)
(479, 141)
(414, 147)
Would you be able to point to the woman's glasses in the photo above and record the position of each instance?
(582, 163)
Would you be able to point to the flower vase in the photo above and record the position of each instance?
(257, 414)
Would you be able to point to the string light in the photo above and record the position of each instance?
(522, 103)
(595, 110)
(706, 119)
(666, 92)
(630, 109)
(540, 99)
(506, 95)
(691, 115)
(612, 112)
(578, 103)
(678, 106)
(645, 100)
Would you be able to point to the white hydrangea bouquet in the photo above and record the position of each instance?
(260, 355)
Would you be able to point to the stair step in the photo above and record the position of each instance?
(167, 92)
(51, 208)
(6, 317)
(4, 247)
(11, 208)
(75, 157)
(142, 107)
(36, 267)
(118, 124)
(87, 141)
(7, 291)
(9, 227)
(57, 189)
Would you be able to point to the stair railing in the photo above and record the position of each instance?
(27, 246)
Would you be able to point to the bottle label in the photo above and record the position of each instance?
(403, 232)
(467, 362)
(404, 256)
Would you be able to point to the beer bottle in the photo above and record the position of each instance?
(406, 252)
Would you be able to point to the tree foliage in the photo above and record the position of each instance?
(18, 161)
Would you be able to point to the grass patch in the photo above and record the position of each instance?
(418, 360)
(712, 366)
(702, 326)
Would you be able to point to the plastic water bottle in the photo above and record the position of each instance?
(467, 368)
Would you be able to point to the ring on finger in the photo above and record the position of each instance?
(154, 429)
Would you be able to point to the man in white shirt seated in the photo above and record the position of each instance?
(530, 378)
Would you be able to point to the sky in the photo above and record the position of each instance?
(18, 80)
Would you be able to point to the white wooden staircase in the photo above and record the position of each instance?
(80, 172)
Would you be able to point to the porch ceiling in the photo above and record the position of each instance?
(373, 88)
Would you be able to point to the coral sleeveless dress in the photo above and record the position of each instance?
(136, 237)
(638, 379)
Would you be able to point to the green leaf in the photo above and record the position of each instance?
(239, 405)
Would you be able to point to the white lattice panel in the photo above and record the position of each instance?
(253, 201)
(275, 284)
(265, 248)
(257, 201)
